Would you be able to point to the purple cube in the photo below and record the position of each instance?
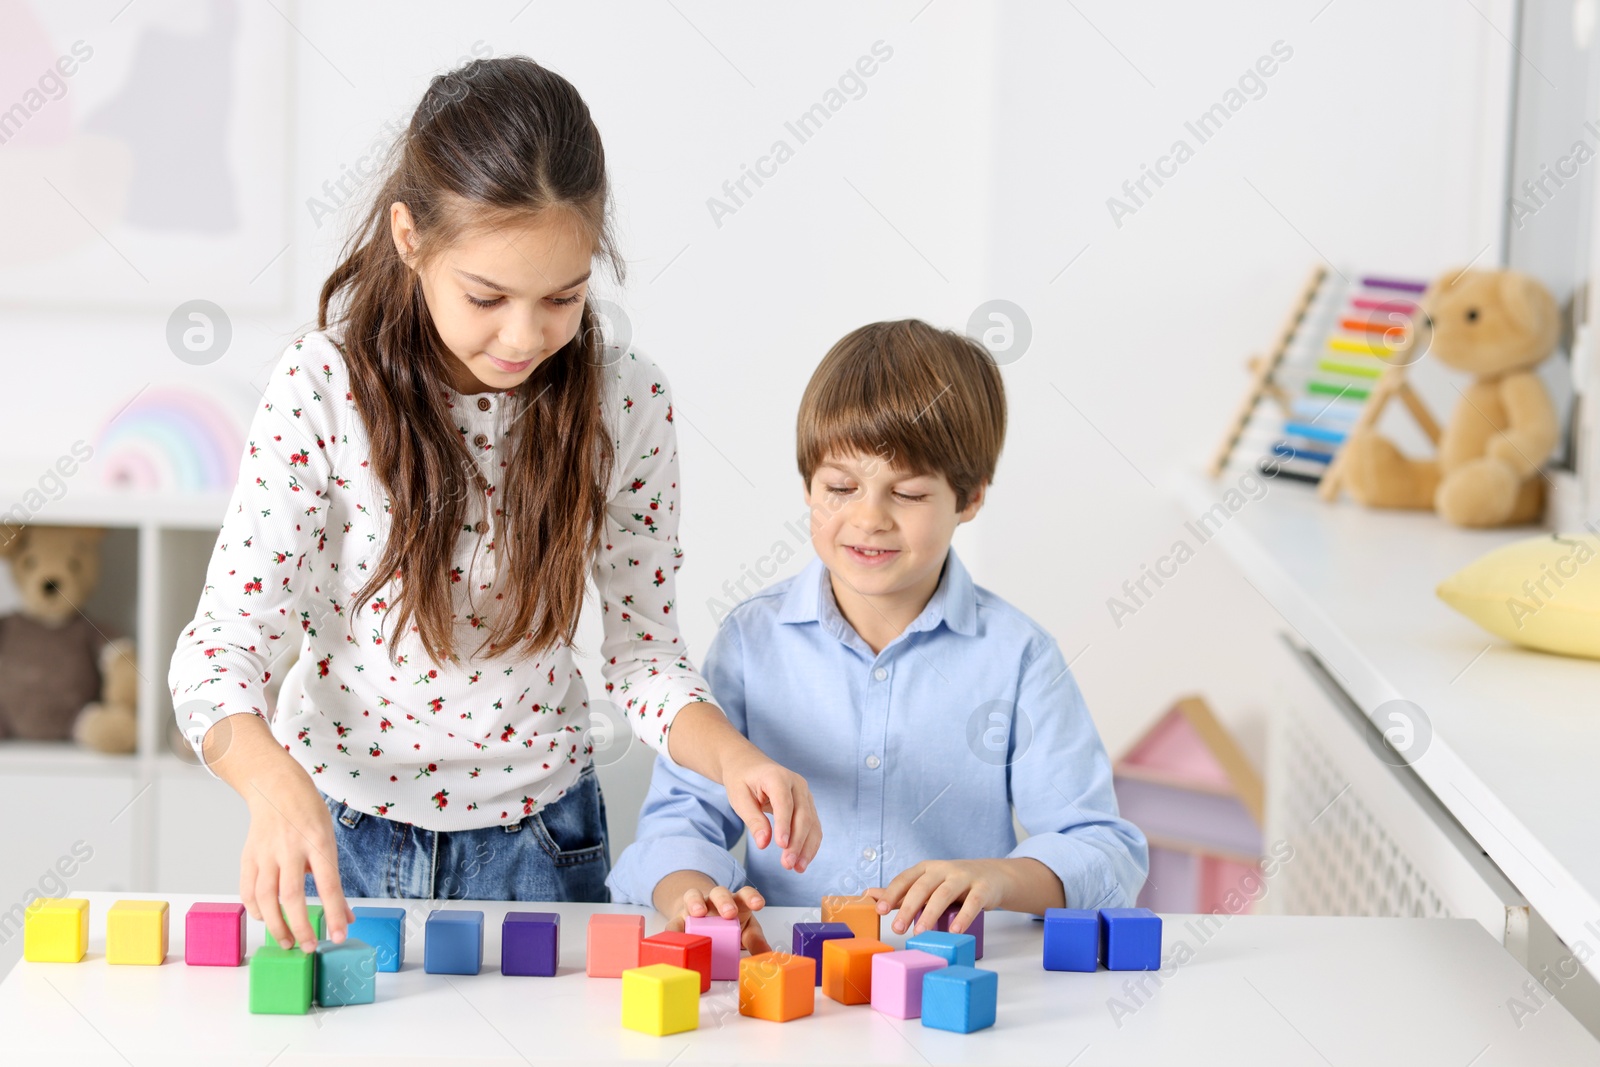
(213, 935)
(530, 943)
(897, 981)
(976, 929)
(809, 938)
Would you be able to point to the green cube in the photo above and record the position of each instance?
(313, 913)
(281, 981)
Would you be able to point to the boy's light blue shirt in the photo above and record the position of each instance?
(916, 753)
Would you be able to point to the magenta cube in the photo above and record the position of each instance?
(213, 935)
(976, 929)
(725, 938)
(897, 981)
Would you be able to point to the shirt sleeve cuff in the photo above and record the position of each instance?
(643, 864)
(1088, 879)
(654, 729)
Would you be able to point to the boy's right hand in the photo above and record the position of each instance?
(291, 833)
(742, 905)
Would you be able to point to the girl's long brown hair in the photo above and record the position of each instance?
(493, 142)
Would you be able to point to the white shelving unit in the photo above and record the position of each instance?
(88, 821)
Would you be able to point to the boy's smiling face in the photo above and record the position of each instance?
(883, 533)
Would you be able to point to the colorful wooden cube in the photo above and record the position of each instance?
(777, 986)
(385, 930)
(860, 913)
(453, 942)
(958, 950)
(689, 951)
(1130, 939)
(55, 930)
(313, 915)
(213, 935)
(726, 943)
(1071, 939)
(346, 973)
(281, 980)
(136, 932)
(530, 943)
(961, 999)
(660, 999)
(897, 981)
(976, 929)
(847, 968)
(614, 944)
(808, 939)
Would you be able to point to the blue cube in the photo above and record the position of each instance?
(1130, 939)
(385, 930)
(809, 938)
(1071, 939)
(959, 998)
(958, 950)
(347, 973)
(453, 943)
(530, 943)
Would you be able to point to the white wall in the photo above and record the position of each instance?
(976, 165)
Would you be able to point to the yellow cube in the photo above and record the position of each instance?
(55, 930)
(136, 932)
(661, 999)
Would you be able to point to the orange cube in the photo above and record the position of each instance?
(847, 968)
(692, 952)
(614, 944)
(778, 986)
(859, 913)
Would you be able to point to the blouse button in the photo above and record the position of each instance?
(480, 440)
(872, 763)
(869, 854)
(481, 526)
(880, 674)
(483, 403)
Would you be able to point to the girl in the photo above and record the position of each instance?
(433, 474)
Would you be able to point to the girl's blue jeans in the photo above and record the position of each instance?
(561, 852)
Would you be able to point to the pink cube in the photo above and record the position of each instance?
(725, 938)
(897, 981)
(213, 935)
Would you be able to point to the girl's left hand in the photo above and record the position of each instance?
(756, 786)
(923, 892)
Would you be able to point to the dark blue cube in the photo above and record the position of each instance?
(453, 943)
(530, 943)
(1130, 939)
(809, 937)
(1071, 939)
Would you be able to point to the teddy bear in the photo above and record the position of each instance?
(1496, 325)
(64, 676)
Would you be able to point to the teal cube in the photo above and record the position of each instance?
(958, 950)
(961, 999)
(385, 930)
(281, 981)
(347, 973)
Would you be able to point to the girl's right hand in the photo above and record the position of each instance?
(291, 833)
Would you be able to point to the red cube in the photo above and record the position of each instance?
(689, 951)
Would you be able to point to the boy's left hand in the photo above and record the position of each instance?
(930, 887)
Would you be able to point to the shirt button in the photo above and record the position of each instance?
(481, 526)
(869, 854)
(880, 674)
(483, 403)
(872, 762)
(480, 440)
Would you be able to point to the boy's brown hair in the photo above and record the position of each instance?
(922, 399)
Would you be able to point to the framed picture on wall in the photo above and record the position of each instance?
(144, 153)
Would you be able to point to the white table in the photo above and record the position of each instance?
(1515, 752)
(1259, 989)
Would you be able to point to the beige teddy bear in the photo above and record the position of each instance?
(64, 677)
(1496, 325)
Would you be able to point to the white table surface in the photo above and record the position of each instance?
(1515, 752)
(1260, 989)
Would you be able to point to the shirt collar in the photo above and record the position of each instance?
(954, 601)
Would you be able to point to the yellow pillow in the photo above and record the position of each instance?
(1542, 593)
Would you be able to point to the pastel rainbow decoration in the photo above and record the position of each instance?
(170, 439)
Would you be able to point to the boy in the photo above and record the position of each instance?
(919, 707)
